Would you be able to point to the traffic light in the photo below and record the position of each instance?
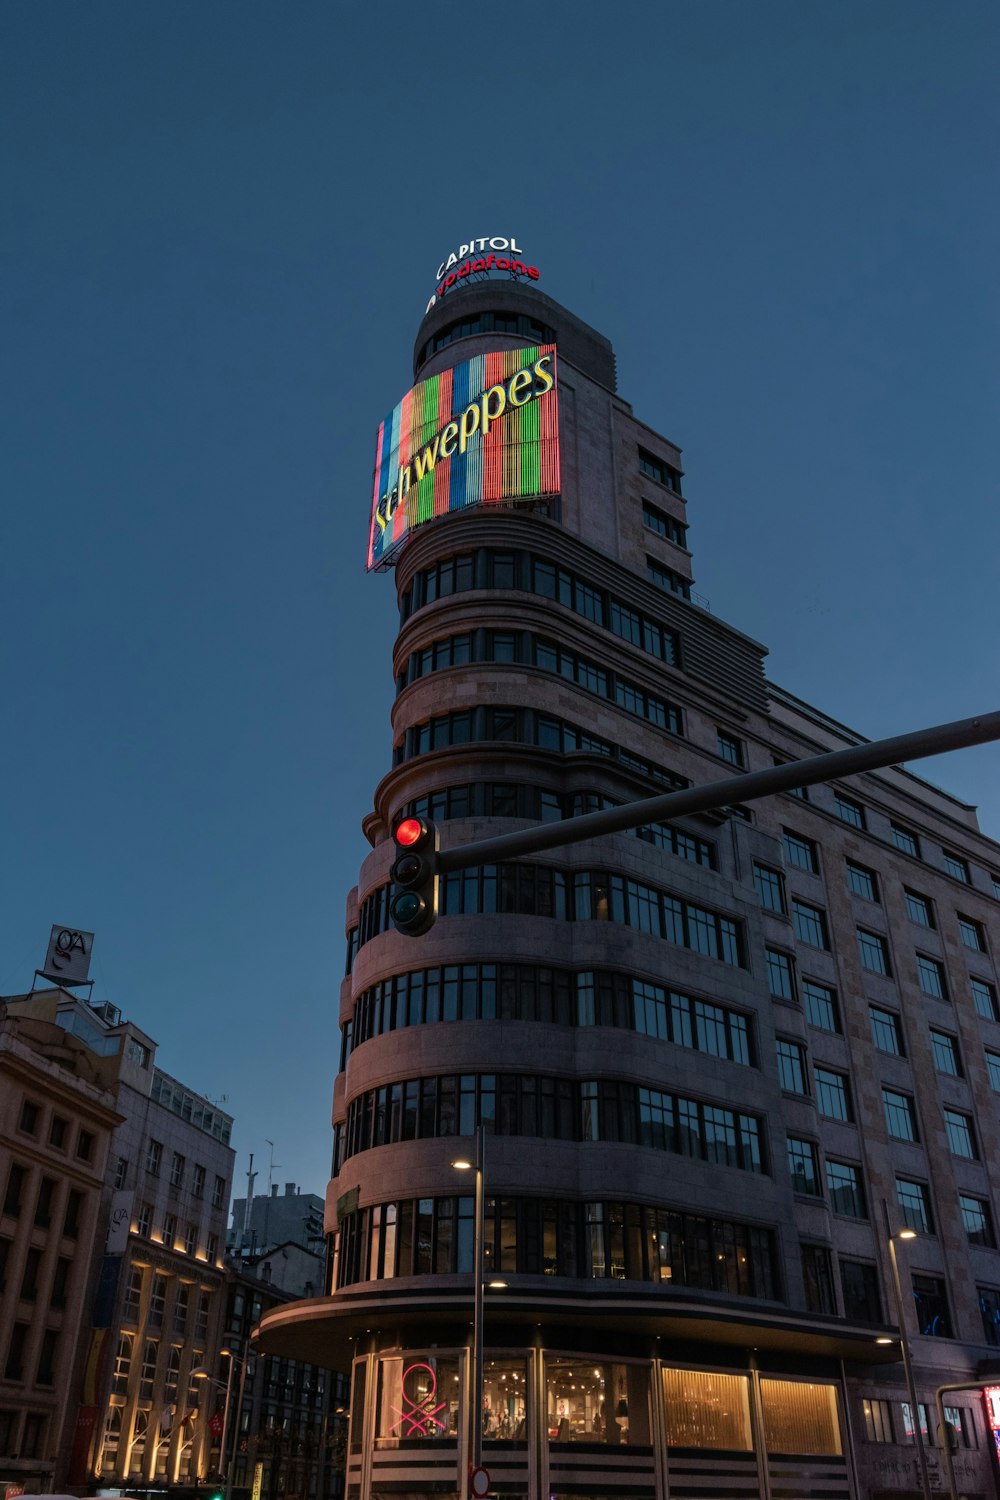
(413, 906)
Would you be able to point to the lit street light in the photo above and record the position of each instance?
(463, 1164)
(904, 1347)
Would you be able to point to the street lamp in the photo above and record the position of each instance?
(478, 1165)
(232, 1359)
(904, 1347)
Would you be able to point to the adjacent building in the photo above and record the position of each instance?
(275, 1218)
(149, 1272)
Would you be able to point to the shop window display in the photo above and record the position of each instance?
(707, 1410)
(505, 1389)
(418, 1400)
(591, 1402)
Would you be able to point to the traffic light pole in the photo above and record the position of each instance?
(872, 756)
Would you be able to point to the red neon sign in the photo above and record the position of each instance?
(991, 1395)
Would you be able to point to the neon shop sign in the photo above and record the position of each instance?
(420, 1414)
(991, 1395)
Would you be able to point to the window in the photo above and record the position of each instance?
(791, 1067)
(85, 1146)
(58, 1131)
(862, 881)
(169, 1229)
(190, 1239)
(730, 748)
(29, 1277)
(955, 1416)
(660, 470)
(198, 1184)
(905, 841)
(900, 1118)
(800, 852)
(15, 1188)
(878, 1420)
(832, 1097)
(212, 1248)
(821, 1006)
(995, 882)
(157, 1301)
(121, 1171)
(71, 1223)
(873, 952)
(707, 1410)
(984, 997)
(847, 811)
(780, 975)
(933, 1318)
(60, 1282)
(918, 909)
(906, 1413)
(219, 1193)
(802, 1164)
(144, 1224)
(956, 866)
(843, 1185)
(946, 1058)
(14, 1368)
(989, 1307)
(667, 579)
(177, 1165)
(914, 1205)
(810, 924)
(43, 1206)
(977, 1219)
(993, 1069)
(769, 887)
(931, 976)
(136, 1052)
(961, 1138)
(886, 1030)
(133, 1295)
(29, 1117)
(663, 525)
(817, 1276)
(154, 1156)
(972, 934)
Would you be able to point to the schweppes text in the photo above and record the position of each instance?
(478, 417)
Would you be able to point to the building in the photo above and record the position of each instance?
(704, 1055)
(276, 1219)
(56, 1121)
(152, 1262)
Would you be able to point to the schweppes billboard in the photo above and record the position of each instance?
(483, 433)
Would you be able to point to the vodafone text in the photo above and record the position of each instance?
(455, 435)
(496, 243)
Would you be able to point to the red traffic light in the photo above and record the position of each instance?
(409, 832)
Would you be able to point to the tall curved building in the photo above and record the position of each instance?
(703, 1055)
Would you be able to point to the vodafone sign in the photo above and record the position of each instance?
(478, 259)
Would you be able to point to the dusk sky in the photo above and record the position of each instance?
(220, 228)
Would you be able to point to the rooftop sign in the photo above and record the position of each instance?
(485, 432)
(477, 260)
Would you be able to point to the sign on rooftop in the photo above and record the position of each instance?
(68, 956)
(481, 260)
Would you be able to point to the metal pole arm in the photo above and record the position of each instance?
(872, 756)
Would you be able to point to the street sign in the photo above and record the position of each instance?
(258, 1479)
(479, 1483)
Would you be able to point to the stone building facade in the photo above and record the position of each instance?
(704, 1055)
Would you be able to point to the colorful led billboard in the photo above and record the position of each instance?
(483, 433)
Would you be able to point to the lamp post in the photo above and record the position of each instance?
(477, 1165)
(225, 1467)
(904, 1348)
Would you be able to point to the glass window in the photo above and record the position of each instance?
(905, 841)
(862, 881)
(900, 1118)
(817, 1278)
(878, 1420)
(972, 934)
(914, 1205)
(810, 924)
(984, 997)
(859, 1289)
(587, 1401)
(886, 1030)
(505, 1389)
(933, 1317)
(802, 1164)
(821, 1006)
(800, 1417)
(993, 1069)
(945, 1049)
(769, 887)
(989, 1307)
(791, 1067)
(832, 1097)
(730, 748)
(931, 976)
(848, 811)
(800, 852)
(780, 975)
(873, 952)
(918, 909)
(843, 1185)
(961, 1138)
(956, 866)
(706, 1410)
(418, 1400)
(154, 1155)
(977, 1219)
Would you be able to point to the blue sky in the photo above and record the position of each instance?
(221, 226)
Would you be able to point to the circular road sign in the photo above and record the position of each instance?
(479, 1483)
